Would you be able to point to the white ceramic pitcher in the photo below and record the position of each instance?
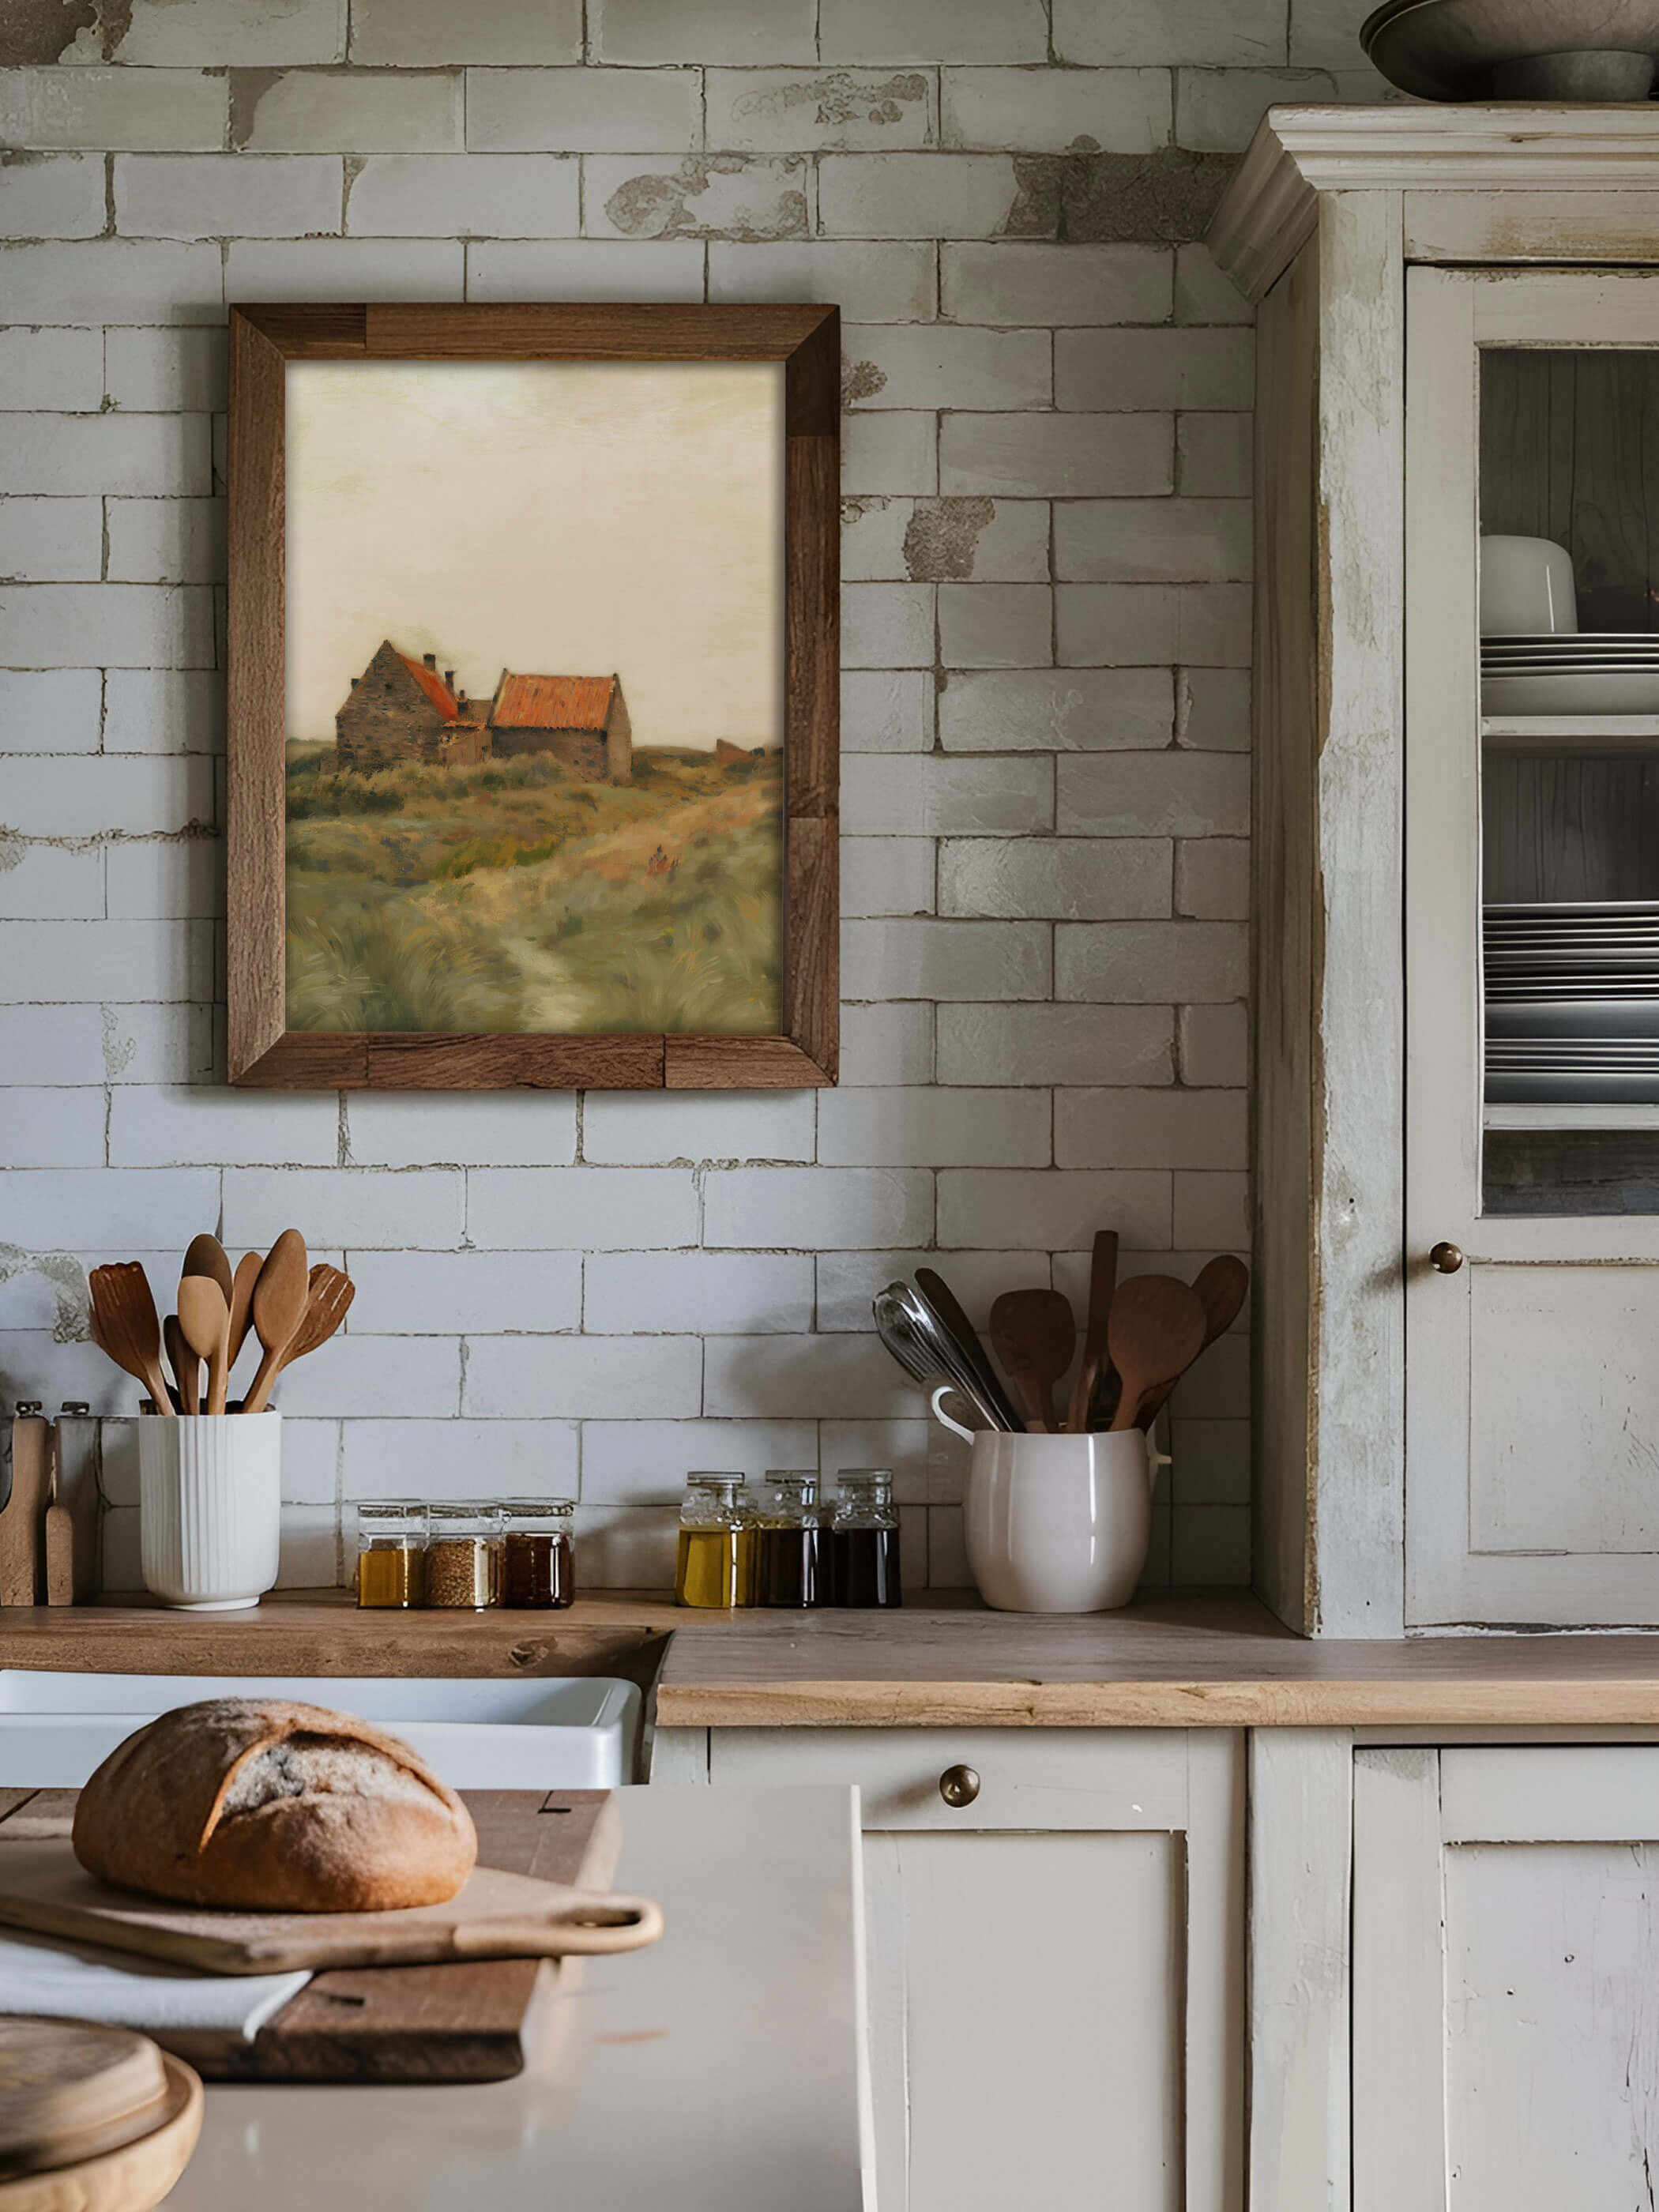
(1058, 1523)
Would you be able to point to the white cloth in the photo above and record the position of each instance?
(64, 1981)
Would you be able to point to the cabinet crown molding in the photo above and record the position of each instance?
(1298, 154)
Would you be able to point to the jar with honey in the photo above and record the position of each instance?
(714, 1566)
(391, 1553)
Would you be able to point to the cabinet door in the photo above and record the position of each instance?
(1532, 950)
(1505, 1978)
(1055, 1971)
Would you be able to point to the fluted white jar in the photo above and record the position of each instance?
(209, 1491)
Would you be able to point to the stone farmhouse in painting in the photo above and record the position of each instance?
(402, 710)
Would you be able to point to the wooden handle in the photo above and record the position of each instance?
(271, 1366)
(585, 1926)
(60, 1555)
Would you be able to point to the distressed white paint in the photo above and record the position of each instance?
(1529, 1408)
(1055, 1972)
(1506, 1979)
(1301, 1803)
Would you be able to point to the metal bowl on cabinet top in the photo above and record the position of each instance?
(1544, 50)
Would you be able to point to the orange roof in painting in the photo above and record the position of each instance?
(553, 702)
(433, 686)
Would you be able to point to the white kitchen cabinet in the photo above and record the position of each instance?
(1457, 1286)
(1055, 1968)
(1505, 1977)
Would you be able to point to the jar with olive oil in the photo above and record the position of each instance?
(714, 1566)
(391, 1553)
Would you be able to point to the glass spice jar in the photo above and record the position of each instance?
(463, 1555)
(539, 1553)
(864, 1540)
(712, 1567)
(391, 1553)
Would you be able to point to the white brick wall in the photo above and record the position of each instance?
(1046, 715)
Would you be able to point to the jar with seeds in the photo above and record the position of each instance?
(464, 1554)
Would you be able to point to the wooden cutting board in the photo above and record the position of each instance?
(460, 2022)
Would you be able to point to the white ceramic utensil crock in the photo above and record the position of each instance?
(209, 1489)
(1059, 1523)
(1527, 588)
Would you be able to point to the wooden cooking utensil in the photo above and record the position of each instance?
(329, 1294)
(1220, 1286)
(205, 1324)
(1103, 1281)
(1154, 1333)
(1034, 1336)
(186, 1368)
(24, 1512)
(242, 1302)
(205, 1256)
(125, 1325)
(280, 1299)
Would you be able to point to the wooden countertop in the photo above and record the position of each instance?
(1190, 1660)
(1182, 1660)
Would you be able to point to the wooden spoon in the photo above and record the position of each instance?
(1034, 1336)
(280, 1297)
(1103, 1281)
(242, 1302)
(330, 1294)
(186, 1368)
(1220, 1286)
(205, 1256)
(205, 1324)
(125, 1325)
(1154, 1333)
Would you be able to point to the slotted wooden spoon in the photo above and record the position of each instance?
(280, 1298)
(124, 1326)
(1034, 1336)
(1154, 1333)
(205, 1324)
(329, 1294)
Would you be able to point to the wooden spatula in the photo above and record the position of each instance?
(125, 1325)
(328, 1296)
(1103, 1281)
(1220, 1286)
(1154, 1333)
(241, 1301)
(1034, 1336)
(205, 1324)
(280, 1298)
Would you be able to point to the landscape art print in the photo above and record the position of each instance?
(534, 719)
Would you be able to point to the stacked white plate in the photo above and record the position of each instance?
(1600, 671)
(1572, 1003)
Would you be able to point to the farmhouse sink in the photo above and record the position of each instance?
(575, 1732)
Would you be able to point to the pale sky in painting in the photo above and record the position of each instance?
(554, 518)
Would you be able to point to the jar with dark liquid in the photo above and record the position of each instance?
(789, 1541)
(391, 1553)
(864, 1540)
(714, 1565)
(539, 1553)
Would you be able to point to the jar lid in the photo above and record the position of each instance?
(524, 1508)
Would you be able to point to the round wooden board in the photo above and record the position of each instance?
(130, 2180)
(71, 2088)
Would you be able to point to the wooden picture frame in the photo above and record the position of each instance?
(264, 1053)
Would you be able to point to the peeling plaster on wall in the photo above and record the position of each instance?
(942, 538)
(839, 98)
(36, 31)
(661, 205)
(13, 849)
(1166, 197)
(70, 1323)
(117, 1050)
(248, 87)
(861, 380)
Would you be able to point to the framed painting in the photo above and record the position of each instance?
(533, 696)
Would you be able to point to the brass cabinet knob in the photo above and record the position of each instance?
(958, 1786)
(1446, 1259)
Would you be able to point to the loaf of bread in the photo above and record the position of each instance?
(273, 1807)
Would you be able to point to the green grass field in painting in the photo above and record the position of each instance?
(514, 897)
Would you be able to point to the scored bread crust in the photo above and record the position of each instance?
(272, 1805)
